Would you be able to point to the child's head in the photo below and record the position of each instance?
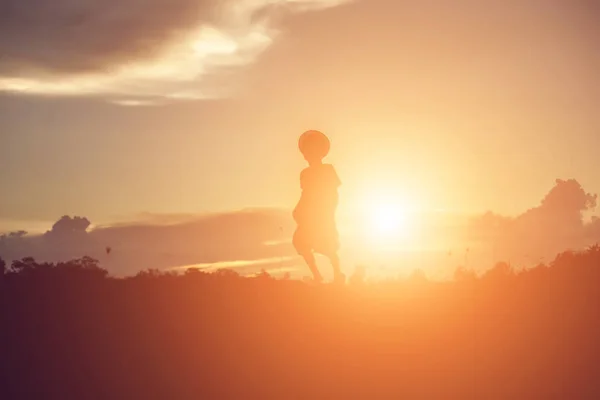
(314, 146)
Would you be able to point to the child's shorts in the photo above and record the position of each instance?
(318, 238)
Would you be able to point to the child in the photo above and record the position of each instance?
(315, 212)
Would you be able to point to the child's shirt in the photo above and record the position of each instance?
(319, 184)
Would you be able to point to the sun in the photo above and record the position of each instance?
(388, 220)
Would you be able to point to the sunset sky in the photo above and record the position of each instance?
(186, 106)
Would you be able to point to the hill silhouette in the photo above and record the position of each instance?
(70, 331)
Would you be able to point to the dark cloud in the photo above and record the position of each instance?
(134, 52)
(82, 36)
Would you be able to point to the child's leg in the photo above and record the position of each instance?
(309, 258)
(335, 263)
(303, 248)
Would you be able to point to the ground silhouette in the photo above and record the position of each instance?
(70, 331)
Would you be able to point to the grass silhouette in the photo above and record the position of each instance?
(69, 331)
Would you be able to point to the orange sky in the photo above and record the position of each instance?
(463, 107)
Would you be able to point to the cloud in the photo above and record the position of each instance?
(166, 241)
(134, 52)
(265, 263)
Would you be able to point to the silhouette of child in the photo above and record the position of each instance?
(315, 212)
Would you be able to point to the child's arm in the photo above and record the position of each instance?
(298, 209)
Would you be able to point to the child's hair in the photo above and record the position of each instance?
(314, 144)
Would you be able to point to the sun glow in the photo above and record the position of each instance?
(389, 221)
